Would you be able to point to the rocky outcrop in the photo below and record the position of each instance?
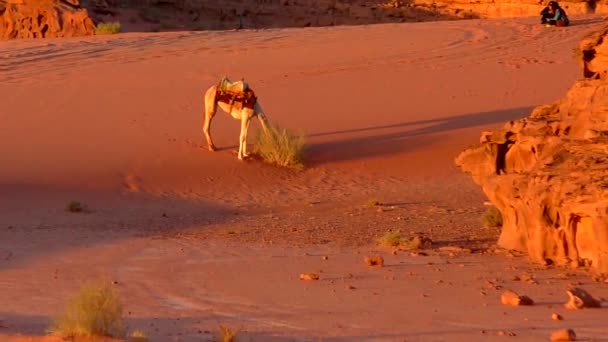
(548, 173)
(593, 54)
(44, 18)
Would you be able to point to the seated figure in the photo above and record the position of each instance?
(554, 15)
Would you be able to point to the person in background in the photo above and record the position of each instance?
(554, 15)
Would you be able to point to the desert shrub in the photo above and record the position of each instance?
(372, 202)
(391, 239)
(108, 28)
(492, 218)
(75, 207)
(95, 311)
(395, 239)
(280, 147)
(138, 336)
(227, 334)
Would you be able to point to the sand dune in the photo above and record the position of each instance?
(382, 93)
(115, 122)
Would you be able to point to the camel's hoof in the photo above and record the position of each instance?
(212, 148)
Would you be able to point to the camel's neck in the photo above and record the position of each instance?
(257, 108)
(261, 115)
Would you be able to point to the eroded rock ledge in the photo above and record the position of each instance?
(44, 19)
(548, 173)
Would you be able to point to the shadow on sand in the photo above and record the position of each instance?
(41, 212)
(196, 329)
(409, 136)
(141, 16)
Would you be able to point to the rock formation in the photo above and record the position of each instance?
(44, 18)
(548, 173)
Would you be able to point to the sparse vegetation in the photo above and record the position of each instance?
(75, 207)
(280, 147)
(394, 239)
(227, 334)
(373, 202)
(391, 239)
(138, 336)
(95, 311)
(108, 28)
(492, 218)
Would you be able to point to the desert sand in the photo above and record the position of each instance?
(194, 239)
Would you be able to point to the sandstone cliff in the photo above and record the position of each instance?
(43, 18)
(548, 173)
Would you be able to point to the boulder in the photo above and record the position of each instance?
(593, 54)
(548, 173)
(44, 19)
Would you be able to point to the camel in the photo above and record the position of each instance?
(238, 100)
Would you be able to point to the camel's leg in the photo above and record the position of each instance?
(210, 110)
(245, 154)
(245, 119)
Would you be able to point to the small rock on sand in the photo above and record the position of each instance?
(556, 317)
(512, 298)
(374, 260)
(309, 276)
(580, 299)
(563, 335)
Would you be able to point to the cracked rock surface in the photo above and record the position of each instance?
(548, 173)
(44, 19)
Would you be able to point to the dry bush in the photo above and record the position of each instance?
(138, 336)
(95, 311)
(227, 334)
(492, 218)
(75, 207)
(391, 239)
(280, 147)
(108, 28)
(395, 239)
(372, 202)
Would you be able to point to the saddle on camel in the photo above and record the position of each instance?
(237, 93)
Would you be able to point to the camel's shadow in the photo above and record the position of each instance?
(410, 136)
